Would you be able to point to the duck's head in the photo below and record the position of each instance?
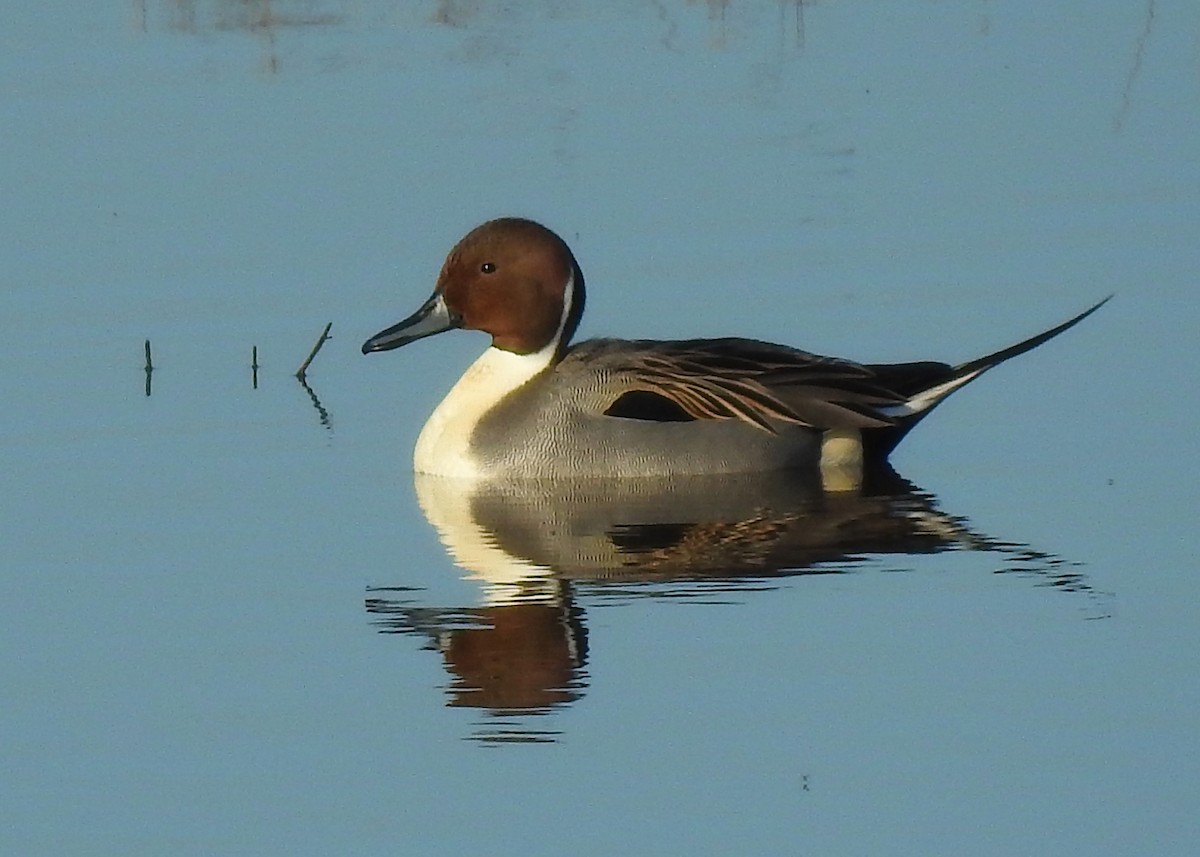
(512, 278)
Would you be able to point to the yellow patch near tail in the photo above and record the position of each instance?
(842, 460)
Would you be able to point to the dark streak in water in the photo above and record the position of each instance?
(1139, 54)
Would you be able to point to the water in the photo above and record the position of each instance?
(232, 623)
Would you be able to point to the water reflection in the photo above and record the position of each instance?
(268, 18)
(322, 412)
(523, 657)
(496, 29)
(539, 549)
(200, 16)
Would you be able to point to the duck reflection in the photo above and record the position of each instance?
(535, 546)
(519, 657)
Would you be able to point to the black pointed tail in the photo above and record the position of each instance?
(880, 442)
(982, 364)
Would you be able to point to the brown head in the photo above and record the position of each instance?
(510, 277)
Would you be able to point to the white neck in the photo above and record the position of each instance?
(444, 445)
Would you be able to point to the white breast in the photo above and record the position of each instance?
(443, 447)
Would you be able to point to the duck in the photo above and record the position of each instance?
(535, 404)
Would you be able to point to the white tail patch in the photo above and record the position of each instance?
(926, 399)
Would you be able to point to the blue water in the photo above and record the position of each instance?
(229, 627)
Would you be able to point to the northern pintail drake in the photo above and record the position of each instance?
(535, 405)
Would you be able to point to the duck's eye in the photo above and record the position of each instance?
(488, 267)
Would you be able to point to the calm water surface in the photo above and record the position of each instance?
(231, 621)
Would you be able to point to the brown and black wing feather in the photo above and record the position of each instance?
(768, 385)
(763, 384)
